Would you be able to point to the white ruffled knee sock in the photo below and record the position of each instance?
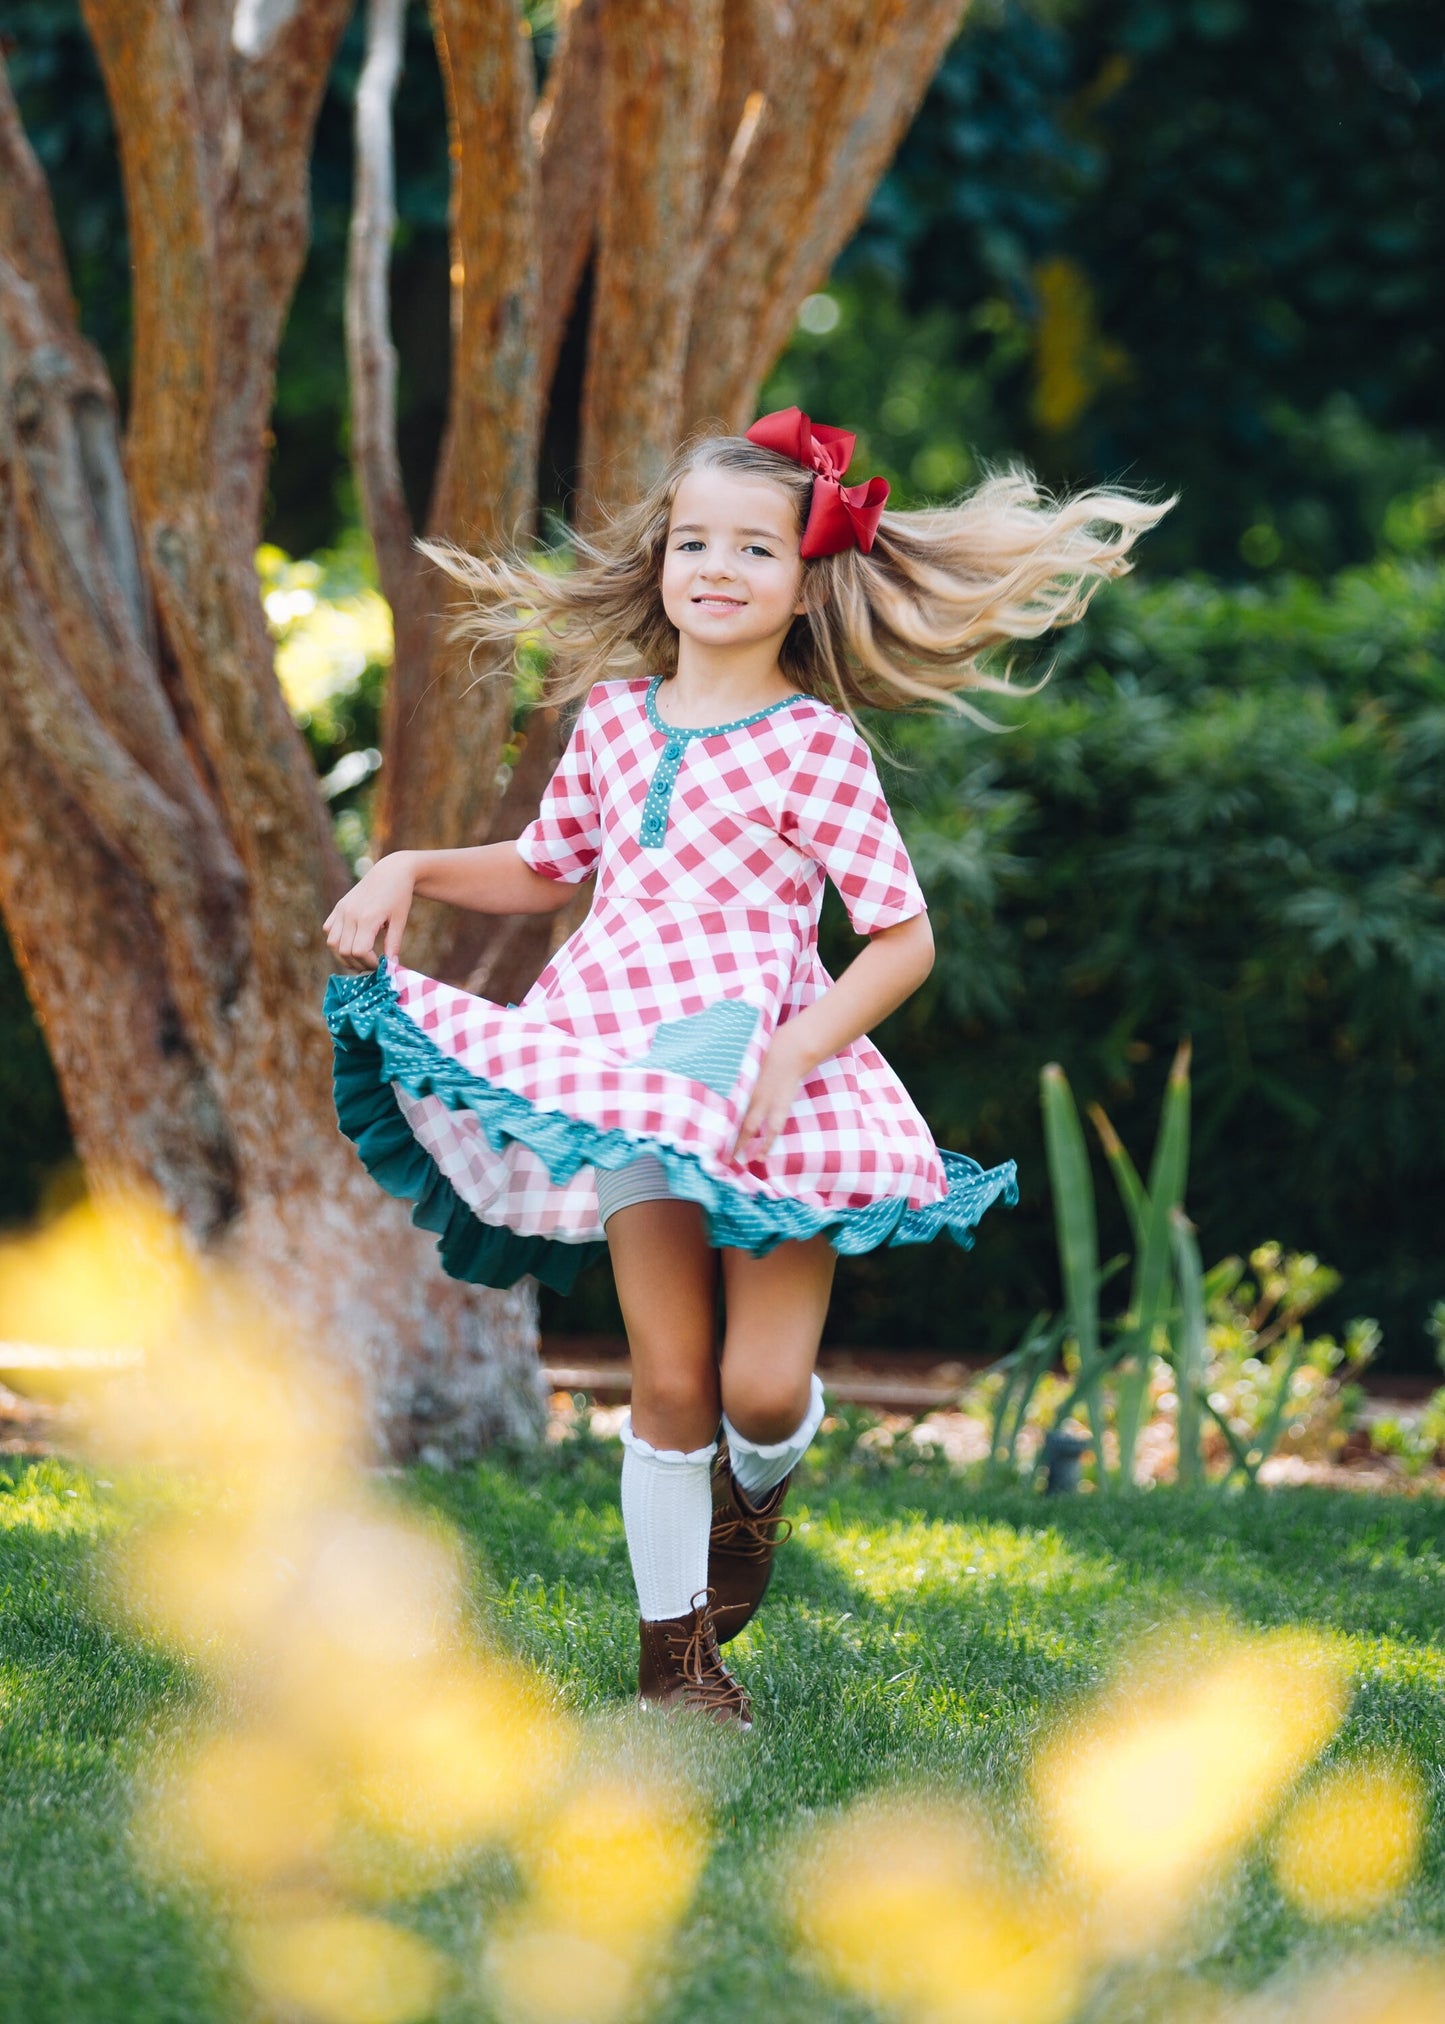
(667, 1516)
(760, 1467)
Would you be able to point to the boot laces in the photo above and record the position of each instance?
(708, 1679)
(751, 1535)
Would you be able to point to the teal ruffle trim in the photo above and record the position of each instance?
(377, 1045)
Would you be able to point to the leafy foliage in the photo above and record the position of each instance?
(1209, 236)
(1267, 1388)
(1220, 818)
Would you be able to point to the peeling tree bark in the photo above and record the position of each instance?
(165, 858)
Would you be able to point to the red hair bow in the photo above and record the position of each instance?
(840, 516)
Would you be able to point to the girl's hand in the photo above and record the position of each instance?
(784, 1071)
(378, 903)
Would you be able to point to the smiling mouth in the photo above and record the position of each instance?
(725, 603)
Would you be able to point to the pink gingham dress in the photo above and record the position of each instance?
(646, 1031)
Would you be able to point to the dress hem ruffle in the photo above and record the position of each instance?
(376, 1045)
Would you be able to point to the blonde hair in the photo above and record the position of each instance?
(907, 623)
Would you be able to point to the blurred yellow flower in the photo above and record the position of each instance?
(610, 1873)
(1352, 1841)
(916, 1909)
(541, 1975)
(116, 1275)
(618, 1861)
(248, 1810)
(344, 1968)
(1143, 1800)
(471, 1755)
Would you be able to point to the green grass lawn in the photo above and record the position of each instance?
(918, 1631)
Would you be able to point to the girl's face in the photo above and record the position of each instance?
(731, 573)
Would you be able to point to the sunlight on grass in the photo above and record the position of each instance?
(1397, 1662)
(609, 1879)
(919, 1556)
(50, 1496)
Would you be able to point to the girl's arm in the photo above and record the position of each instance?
(491, 878)
(875, 983)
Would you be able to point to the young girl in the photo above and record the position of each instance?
(684, 1078)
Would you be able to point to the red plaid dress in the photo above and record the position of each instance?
(647, 1030)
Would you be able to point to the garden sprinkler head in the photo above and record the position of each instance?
(1061, 1458)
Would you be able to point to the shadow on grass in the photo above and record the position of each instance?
(915, 1625)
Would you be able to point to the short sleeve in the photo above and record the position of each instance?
(835, 812)
(565, 836)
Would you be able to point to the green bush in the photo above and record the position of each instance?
(1220, 818)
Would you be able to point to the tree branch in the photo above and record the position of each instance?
(659, 86)
(567, 133)
(143, 826)
(840, 95)
(445, 718)
(370, 353)
(145, 1110)
(146, 64)
(74, 604)
(207, 26)
(492, 427)
(371, 361)
(281, 60)
(198, 553)
(754, 33)
(29, 238)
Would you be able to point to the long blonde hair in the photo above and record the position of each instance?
(907, 623)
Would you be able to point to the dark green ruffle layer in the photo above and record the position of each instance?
(377, 1045)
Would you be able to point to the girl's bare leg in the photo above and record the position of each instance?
(775, 1311)
(667, 1286)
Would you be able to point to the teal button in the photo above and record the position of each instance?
(653, 829)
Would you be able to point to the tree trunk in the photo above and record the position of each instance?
(165, 857)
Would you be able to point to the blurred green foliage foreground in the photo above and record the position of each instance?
(918, 1633)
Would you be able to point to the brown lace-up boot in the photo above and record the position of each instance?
(741, 1546)
(681, 1667)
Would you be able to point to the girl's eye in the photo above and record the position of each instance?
(683, 546)
(757, 548)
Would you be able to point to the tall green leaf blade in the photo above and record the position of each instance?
(1131, 1388)
(1077, 1233)
(1075, 1223)
(1191, 1349)
(1167, 1173)
(1126, 1174)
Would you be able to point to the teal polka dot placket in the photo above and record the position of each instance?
(659, 795)
(653, 830)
